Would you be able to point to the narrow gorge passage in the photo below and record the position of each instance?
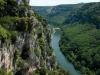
(62, 61)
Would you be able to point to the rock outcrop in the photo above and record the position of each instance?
(21, 1)
(25, 44)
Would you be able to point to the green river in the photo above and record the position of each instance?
(60, 58)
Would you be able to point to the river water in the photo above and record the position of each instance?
(60, 58)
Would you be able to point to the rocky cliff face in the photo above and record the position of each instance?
(29, 52)
(25, 44)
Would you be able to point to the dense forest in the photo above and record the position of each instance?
(54, 13)
(80, 25)
(80, 43)
(70, 13)
(81, 39)
(25, 38)
(88, 13)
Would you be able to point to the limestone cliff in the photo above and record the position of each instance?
(25, 44)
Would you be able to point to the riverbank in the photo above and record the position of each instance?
(80, 45)
(60, 58)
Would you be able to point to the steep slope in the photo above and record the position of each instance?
(66, 14)
(80, 43)
(24, 41)
(54, 13)
(81, 40)
(42, 10)
(88, 13)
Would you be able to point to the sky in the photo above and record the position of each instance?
(58, 2)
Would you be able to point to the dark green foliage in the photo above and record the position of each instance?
(7, 28)
(44, 71)
(11, 8)
(2, 72)
(8, 22)
(80, 44)
(22, 24)
(56, 15)
(66, 14)
(88, 13)
(41, 19)
(2, 4)
(23, 8)
(25, 51)
(81, 33)
(4, 33)
(8, 7)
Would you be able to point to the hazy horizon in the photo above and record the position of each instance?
(58, 2)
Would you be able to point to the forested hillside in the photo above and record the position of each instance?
(80, 25)
(54, 13)
(81, 39)
(64, 14)
(88, 13)
(80, 43)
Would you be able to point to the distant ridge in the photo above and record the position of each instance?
(67, 13)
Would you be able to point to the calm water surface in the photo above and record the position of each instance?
(62, 61)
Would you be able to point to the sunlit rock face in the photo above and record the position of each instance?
(6, 57)
(30, 50)
(21, 1)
